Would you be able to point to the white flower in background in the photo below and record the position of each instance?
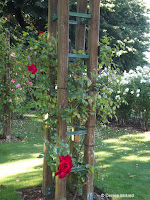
(146, 69)
(143, 81)
(134, 75)
(139, 68)
(118, 92)
(138, 91)
(126, 90)
(132, 92)
(147, 76)
(139, 74)
(131, 71)
(103, 74)
(143, 73)
(124, 82)
(117, 97)
(138, 95)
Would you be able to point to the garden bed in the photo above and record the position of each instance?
(35, 193)
(13, 139)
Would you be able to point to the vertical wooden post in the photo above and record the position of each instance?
(80, 38)
(52, 31)
(47, 173)
(80, 28)
(62, 98)
(89, 141)
(52, 24)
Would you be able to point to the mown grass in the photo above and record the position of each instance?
(19, 166)
(122, 161)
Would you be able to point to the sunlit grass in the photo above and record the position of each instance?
(122, 160)
(124, 163)
(19, 166)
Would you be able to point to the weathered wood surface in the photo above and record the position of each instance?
(80, 28)
(89, 141)
(47, 173)
(62, 95)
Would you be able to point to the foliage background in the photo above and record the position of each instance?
(125, 21)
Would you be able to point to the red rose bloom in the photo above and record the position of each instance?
(2, 185)
(32, 68)
(64, 167)
(40, 32)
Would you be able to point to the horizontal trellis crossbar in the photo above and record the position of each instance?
(73, 14)
(77, 169)
(73, 22)
(72, 55)
(54, 16)
(83, 15)
(81, 132)
(80, 128)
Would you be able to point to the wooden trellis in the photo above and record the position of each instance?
(59, 17)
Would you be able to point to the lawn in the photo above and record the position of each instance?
(19, 165)
(122, 161)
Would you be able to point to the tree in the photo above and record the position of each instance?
(24, 13)
(125, 21)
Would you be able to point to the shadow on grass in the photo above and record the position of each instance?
(9, 152)
(20, 159)
(15, 183)
(124, 164)
(32, 141)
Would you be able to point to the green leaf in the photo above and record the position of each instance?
(32, 76)
(40, 156)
